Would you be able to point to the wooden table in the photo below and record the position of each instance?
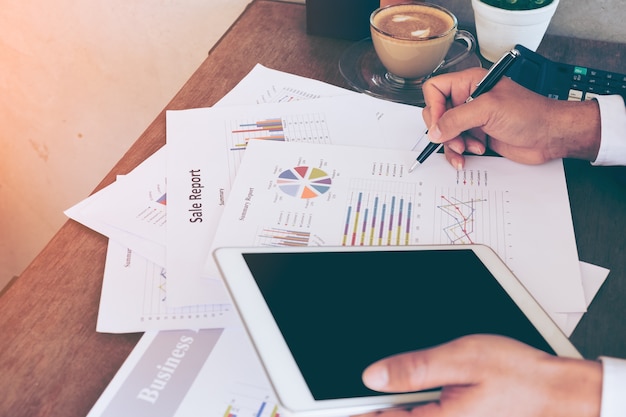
(52, 361)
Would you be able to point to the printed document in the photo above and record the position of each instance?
(206, 146)
(296, 194)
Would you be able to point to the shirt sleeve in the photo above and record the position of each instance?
(613, 387)
(613, 135)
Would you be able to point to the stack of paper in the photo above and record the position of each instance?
(284, 159)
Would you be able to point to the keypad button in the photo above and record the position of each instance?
(575, 95)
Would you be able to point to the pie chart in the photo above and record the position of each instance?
(304, 182)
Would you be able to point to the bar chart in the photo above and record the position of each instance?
(249, 400)
(380, 213)
(307, 128)
(276, 236)
(310, 128)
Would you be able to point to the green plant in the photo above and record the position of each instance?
(517, 4)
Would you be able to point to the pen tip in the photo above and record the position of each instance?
(415, 165)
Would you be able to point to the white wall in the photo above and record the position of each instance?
(79, 82)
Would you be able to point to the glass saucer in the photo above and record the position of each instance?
(362, 69)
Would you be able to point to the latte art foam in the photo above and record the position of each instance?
(414, 23)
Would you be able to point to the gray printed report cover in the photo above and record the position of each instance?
(181, 373)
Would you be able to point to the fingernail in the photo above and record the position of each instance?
(434, 133)
(457, 147)
(475, 149)
(376, 378)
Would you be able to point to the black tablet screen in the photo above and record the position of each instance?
(341, 311)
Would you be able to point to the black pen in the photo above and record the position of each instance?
(495, 73)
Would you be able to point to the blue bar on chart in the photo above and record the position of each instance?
(378, 218)
(268, 129)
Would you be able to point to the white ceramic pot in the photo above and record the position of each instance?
(499, 30)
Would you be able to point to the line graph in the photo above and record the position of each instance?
(466, 216)
(154, 302)
(461, 214)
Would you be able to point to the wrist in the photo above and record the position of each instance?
(574, 129)
(580, 389)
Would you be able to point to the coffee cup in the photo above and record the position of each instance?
(412, 40)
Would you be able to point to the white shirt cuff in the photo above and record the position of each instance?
(613, 387)
(613, 135)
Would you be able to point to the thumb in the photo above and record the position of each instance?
(453, 363)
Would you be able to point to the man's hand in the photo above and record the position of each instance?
(509, 119)
(490, 376)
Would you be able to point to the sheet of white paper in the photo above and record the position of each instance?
(295, 193)
(134, 298)
(205, 147)
(593, 277)
(143, 211)
(264, 85)
(132, 210)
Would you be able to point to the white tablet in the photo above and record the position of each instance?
(318, 316)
